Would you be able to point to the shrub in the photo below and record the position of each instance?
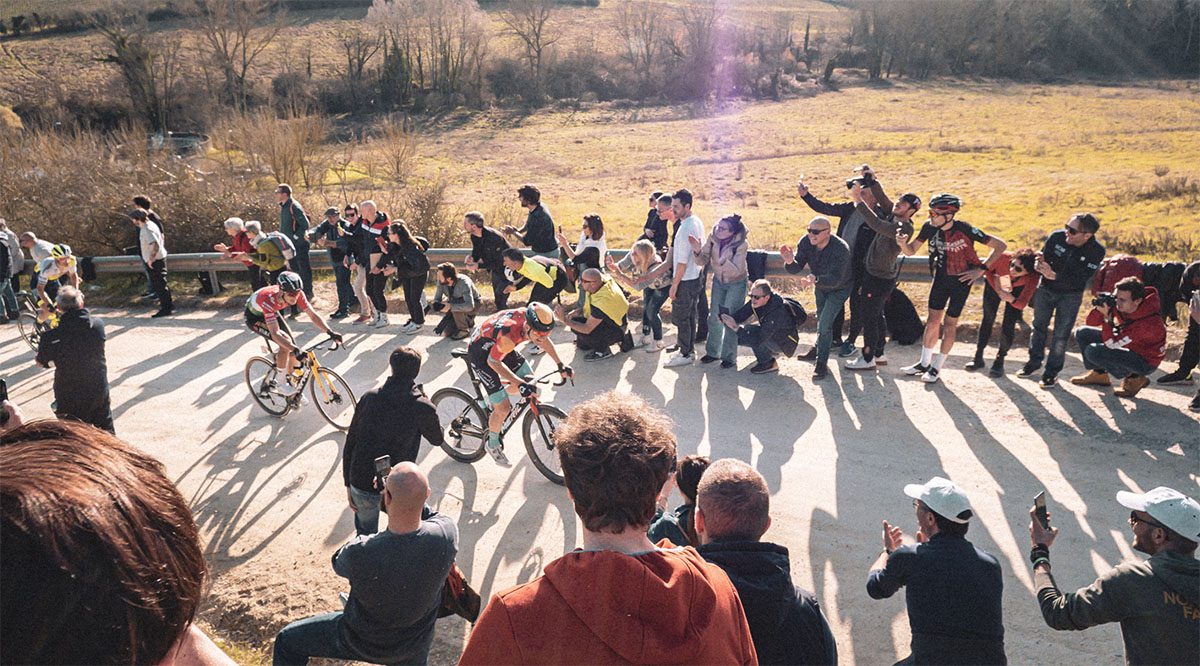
(509, 78)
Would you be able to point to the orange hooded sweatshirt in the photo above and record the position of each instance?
(601, 607)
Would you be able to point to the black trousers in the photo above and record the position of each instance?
(1191, 347)
(91, 407)
(1008, 325)
(158, 282)
(872, 298)
(604, 336)
(413, 287)
(499, 282)
(375, 285)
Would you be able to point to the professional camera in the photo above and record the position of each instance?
(858, 179)
(1105, 299)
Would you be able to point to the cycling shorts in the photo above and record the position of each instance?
(477, 356)
(257, 323)
(949, 293)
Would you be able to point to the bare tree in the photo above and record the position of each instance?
(638, 24)
(230, 29)
(530, 21)
(434, 45)
(148, 67)
(359, 46)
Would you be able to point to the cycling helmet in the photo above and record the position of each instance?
(945, 203)
(60, 251)
(289, 282)
(539, 317)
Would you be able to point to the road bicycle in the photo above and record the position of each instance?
(330, 393)
(27, 321)
(465, 418)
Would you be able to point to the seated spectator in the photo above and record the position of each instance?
(240, 243)
(775, 332)
(457, 296)
(601, 322)
(102, 559)
(659, 606)
(678, 526)
(548, 276)
(1130, 345)
(643, 265)
(396, 580)
(732, 513)
(1013, 280)
(592, 246)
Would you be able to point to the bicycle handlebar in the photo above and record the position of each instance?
(320, 344)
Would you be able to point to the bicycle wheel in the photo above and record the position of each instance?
(261, 377)
(31, 329)
(539, 440)
(465, 423)
(333, 398)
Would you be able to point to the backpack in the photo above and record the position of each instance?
(903, 323)
(799, 316)
(756, 265)
(1112, 270)
(283, 243)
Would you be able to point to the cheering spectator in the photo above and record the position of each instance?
(687, 281)
(1130, 345)
(331, 235)
(775, 332)
(548, 276)
(725, 253)
(154, 254)
(601, 322)
(76, 348)
(828, 260)
(396, 580)
(102, 563)
(487, 246)
(1068, 260)
(407, 261)
(659, 606)
(678, 526)
(376, 223)
(265, 255)
(954, 588)
(241, 244)
(655, 229)
(293, 223)
(538, 231)
(732, 514)
(592, 247)
(1155, 600)
(39, 251)
(457, 296)
(637, 271)
(1011, 279)
(1189, 285)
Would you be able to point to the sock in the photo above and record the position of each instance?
(493, 440)
(939, 360)
(926, 355)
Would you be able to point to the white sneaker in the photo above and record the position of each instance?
(881, 359)
(655, 346)
(381, 320)
(860, 363)
(497, 454)
(411, 328)
(930, 376)
(915, 369)
(678, 360)
(642, 341)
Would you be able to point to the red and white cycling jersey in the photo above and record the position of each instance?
(505, 329)
(269, 300)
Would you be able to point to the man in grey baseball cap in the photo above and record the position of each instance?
(1157, 601)
(954, 588)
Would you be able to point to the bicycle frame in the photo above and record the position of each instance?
(526, 403)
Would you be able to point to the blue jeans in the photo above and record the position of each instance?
(366, 519)
(9, 298)
(311, 637)
(345, 288)
(301, 264)
(721, 341)
(1064, 307)
(1119, 363)
(652, 302)
(829, 304)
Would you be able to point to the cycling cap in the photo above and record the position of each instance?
(60, 251)
(539, 317)
(945, 203)
(289, 282)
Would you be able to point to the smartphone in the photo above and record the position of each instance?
(383, 465)
(722, 310)
(3, 398)
(1039, 509)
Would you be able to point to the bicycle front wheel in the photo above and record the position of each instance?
(31, 329)
(333, 398)
(539, 440)
(465, 424)
(263, 378)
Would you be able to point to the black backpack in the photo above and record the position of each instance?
(903, 323)
(799, 316)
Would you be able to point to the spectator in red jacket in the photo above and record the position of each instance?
(1012, 280)
(1130, 345)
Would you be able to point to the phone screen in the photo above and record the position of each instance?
(1039, 506)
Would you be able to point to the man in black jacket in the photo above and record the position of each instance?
(538, 231)
(76, 347)
(387, 421)
(732, 513)
(487, 246)
(775, 332)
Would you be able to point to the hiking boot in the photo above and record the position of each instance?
(930, 376)
(975, 364)
(763, 368)
(810, 355)
(1131, 385)
(997, 369)
(1178, 378)
(1029, 369)
(860, 363)
(847, 349)
(915, 369)
(821, 371)
(1092, 378)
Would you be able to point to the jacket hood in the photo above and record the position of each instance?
(1179, 572)
(1150, 306)
(78, 317)
(762, 575)
(658, 614)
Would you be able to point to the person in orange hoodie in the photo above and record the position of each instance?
(1132, 342)
(620, 599)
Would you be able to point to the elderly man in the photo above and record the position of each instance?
(240, 242)
(954, 588)
(76, 348)
(1156, 601)
(732, 513)
(1131, 343)
(602, 320)
(658, 605)
(396, 579)
(38, 249)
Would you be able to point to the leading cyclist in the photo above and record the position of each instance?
(493, 354)
(262, 317)
(60, 262)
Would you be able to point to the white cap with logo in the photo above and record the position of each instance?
(1169, 507)
(943, 498)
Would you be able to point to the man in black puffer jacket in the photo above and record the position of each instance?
(775, 332)
(76, 348)
(732, 513)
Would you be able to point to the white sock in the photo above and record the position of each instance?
(939, 360)
(926, 355)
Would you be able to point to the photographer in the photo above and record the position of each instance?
(458, 299)
(76, 348)
(1132, 342)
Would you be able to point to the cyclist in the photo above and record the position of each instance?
(493, 354)
(60, 262)
(262, 317)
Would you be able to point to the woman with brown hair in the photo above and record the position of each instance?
(407, 261)
(589, 252)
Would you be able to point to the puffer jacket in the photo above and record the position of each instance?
(1142, 332)
(730, 267)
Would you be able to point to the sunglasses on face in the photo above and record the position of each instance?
(349, 214)
(1072, 230)
(757, 296)
(817, 232)
(1134, 520)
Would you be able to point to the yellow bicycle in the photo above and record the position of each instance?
(28, 323)
(330, 393)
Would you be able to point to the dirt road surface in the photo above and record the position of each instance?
(269, 499)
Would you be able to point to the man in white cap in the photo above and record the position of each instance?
(1157, 601)
(954, 589)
